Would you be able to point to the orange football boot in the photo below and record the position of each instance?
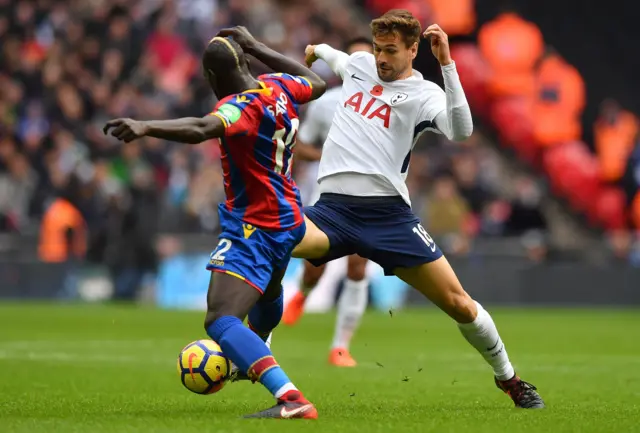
(294, 309)
(341, 358)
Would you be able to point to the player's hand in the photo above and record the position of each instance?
(241, 35)
(126, 129)
(310, 55)
(439, 44)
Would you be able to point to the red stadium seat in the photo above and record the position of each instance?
(474, 72)
(573, 172)
(609, 209)
(512, 119)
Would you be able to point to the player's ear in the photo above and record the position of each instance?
(414, 50)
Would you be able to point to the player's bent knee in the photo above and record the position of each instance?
(357, 268)
(461, 307)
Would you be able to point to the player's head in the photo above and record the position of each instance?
(226, 68)
(395, 43)
(360, 43)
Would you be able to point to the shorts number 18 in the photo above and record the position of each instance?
(420, 231)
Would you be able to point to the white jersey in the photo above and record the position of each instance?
(375, 127)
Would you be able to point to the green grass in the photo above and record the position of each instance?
(79, 368)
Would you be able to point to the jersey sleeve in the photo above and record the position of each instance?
(299, 88)
(434, 103)
(240, 114)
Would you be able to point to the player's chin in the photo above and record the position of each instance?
(386, 74)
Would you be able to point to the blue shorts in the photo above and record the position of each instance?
(382, 229)
(250, 253)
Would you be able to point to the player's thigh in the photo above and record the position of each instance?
(229, 295)
(356, 267)
(438, 282)
(312, 274)
(314, 244)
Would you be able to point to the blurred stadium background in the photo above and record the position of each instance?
(541, 207)
(545, 194)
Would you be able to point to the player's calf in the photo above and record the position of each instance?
(356, 267)
(351, 306)
(309, 280)
(266, 314)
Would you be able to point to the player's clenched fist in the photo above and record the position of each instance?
(126, 129)
(310, 55)
(439, 44)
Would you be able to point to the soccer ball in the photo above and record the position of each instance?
(203, 368)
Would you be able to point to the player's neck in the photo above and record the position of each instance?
(406, 74)
(239, 85)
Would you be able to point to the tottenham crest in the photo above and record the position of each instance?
(398, 98)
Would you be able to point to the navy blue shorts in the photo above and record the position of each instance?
(249, 253)
(382, 229)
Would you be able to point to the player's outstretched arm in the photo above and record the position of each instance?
(336, 59)
(274, 59)
(191, 130)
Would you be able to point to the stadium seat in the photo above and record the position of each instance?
(474, 73)
(513, 122)
(573, 173)
(609, 209)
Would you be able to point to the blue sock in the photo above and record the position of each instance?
(265, 316)
(249, 353)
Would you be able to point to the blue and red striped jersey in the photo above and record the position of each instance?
(257, 151)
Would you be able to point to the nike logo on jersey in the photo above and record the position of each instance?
(355, 77)
(286, 413)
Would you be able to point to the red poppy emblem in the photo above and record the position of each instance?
(377, 90)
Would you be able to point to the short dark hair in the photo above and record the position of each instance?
(400, 21)
(365, 40)
(223, 56)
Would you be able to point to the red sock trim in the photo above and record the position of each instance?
(260, 367)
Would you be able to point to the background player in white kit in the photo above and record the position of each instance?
(364, 206)
(353, 299)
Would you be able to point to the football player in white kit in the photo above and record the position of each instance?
(353, 299)
(364, 206)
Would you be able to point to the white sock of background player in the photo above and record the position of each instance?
(483, 335)
(351, 306)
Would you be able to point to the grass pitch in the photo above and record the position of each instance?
(79, 368)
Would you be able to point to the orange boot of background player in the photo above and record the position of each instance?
(294, 309)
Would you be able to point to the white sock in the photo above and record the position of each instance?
(351, 307)
(483, 335)
(268, 342)
(285, 388)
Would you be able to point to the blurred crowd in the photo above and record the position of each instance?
(67, 66)
(536, 99)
